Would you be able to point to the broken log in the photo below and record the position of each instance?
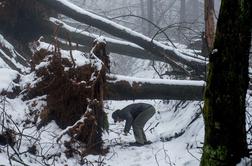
(85, 38)
(156, 48)
(129, 88)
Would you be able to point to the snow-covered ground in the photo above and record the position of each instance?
(176, 130)
(6, 79)
(168, 122)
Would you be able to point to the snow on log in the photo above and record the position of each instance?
(156, 48)
(10, 57)
(82, 37)
(86, 38)
(122, 87)
(130, 88)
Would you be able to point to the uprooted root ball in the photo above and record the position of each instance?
(72, 92)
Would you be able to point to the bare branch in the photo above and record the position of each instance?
(159, 49)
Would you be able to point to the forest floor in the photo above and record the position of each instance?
(176, 130)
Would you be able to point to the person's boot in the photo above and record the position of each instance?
(147, 142)
(135, 144)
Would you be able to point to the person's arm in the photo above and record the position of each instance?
(129, 119)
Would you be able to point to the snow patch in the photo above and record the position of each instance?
(156, 81)
(214, 51)
(108, 39)
(79, 57)
(5, 43)
(245, 162)
(6, 79)
(14, 54)
(100, 39)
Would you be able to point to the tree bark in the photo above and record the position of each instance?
(83, 38)
(122, 89)
(10, 56)
(114, 46)
(114, 29)
(209, 23)
(224, 110)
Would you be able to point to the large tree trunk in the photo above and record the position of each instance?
(209, 23)
(10, 55)
(85, 40)
(112, 28)
(224, 110)
(120, 88)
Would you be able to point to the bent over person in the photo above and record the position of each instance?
(136, 115)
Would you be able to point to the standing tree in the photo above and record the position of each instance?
(150, 15)
(209, 23)
(182, 11)
(193, 10)
(143, 14)
(224, 110)
(182, 18)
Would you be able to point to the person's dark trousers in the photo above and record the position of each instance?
(139, 122)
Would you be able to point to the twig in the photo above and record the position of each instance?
(71, 54)
(156, 156)
(190, 152)
(151, 129)
(167, 156)
(8, 154)
(147, 20)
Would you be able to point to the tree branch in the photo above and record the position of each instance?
(113, 45)
(160, 50)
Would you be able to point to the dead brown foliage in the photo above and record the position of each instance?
(8, 137)
(72, 94)
(67, 91)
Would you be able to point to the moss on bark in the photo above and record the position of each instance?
(224, 110)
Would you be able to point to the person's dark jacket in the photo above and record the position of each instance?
(130, 112)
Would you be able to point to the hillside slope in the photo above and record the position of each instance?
(176, 130)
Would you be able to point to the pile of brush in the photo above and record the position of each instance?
(74, 95)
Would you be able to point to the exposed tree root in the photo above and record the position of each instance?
(73, 92)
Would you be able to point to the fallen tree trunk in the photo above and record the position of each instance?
(10, 56)
(129, 88)
(120, 88)
(86, 39)
(115, 46)
(158, 49)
